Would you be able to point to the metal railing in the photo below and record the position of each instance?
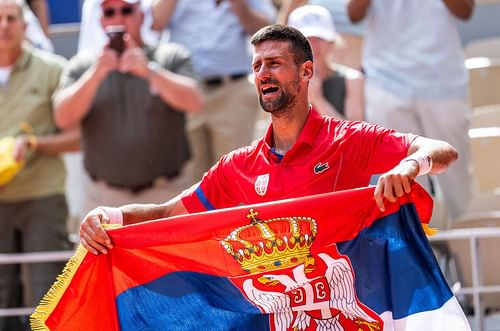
(473, 235)
(24, 258)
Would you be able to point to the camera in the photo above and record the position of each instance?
(115, 34)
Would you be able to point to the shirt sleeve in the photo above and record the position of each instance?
(380, 149)
(212, 192)
(74, 69)
(175, 58)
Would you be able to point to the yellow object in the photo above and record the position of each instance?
(8, 166)
(429, 231)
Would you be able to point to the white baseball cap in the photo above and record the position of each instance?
(313, 21)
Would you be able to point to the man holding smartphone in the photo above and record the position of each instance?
(130, 102)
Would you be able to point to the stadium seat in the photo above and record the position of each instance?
(485, 116)
(473, 244)
(484, 84)
(485, 47)
(485, 147)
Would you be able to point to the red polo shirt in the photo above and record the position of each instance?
(329, 155)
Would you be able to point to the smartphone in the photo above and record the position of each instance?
(115, 34)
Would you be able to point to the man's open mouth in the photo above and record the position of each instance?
(269, 90)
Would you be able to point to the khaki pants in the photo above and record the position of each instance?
(446, 119)
(98, 193)
(226, 123)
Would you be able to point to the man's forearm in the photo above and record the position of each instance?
(178, 91)
(162, 11)
(462, 9)
(41, 11)
(54, 144)
(357, 9)
(138, 213)
(441, 153)
(72, 103)
(250, 19)
(287, 6)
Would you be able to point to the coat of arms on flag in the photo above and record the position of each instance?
(289, 280)
(327, 262)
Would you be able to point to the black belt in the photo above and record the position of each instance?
(136, 189)
(217, 81)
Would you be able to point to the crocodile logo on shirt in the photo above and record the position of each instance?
(320, 167)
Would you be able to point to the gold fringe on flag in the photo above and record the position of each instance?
(56, 291)
(428, 230)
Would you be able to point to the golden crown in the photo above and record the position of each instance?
(271, 244)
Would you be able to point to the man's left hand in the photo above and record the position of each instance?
(395, 183)
(134, 60)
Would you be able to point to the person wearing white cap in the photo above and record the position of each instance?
(335, 90)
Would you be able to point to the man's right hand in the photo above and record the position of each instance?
(108, 61)
(92, 234)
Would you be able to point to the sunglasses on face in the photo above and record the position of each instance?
(124, 11)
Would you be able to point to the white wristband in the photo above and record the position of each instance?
(424, 163)
(114, 214)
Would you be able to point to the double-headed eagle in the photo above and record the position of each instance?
(340, 299)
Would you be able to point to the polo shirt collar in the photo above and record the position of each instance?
(308, 133)
(22, 61)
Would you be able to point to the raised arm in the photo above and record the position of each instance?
(179, 91)
(357, 9)
(41, 10)
(462, 9)
(162, 11)
(250, 19)
(287, 6)
(354, 103)
(73, 102)
(425, 156)
(96, 240)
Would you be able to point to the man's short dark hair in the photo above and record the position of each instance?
(299, 45)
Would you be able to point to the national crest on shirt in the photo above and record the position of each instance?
(261, 184)
(299, 290)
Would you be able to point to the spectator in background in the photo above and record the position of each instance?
(37, 26)
(131, 107)
(216, 32)
(92, 37)
(41, 10)
(33, 208)
(302, 153)
(334, 90)
(416, 80)
(349, 42)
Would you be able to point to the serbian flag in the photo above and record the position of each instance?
(326, 262)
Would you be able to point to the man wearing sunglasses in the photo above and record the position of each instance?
(130, 102)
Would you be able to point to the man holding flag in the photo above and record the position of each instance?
(301, 154)
(338, 261)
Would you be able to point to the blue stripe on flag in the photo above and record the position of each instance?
(394, 273)
(193, 300)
